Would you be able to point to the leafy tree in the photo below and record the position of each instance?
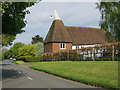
(13, 19)
(27, 50)
(110, 18)
(8, 54)
(2, 52)
(7, 39)
(13, 16)
(36, 39)
(39, 49)
(15, 48)
(13, 51)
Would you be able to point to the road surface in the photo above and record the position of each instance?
(18, 76)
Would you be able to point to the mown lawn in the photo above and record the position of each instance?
(100, 73)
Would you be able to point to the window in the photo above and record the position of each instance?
(62, 46)
(77, 47)
(97, 44)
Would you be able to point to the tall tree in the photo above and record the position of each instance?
(110, 18)
(39, 49)
(13, 51)
(13, 18)
(15, 48)
(36, 39)
(7, 39)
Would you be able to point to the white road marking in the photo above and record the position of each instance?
(30, 78)
(49, 89)
(15, 69)
(19, 72)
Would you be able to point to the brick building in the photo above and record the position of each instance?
(61, 37)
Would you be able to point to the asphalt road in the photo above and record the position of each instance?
(18, 76)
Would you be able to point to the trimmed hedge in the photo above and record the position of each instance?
(89, 59)
(100, 59)
(31, 58)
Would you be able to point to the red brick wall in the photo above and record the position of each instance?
(55, 47)
(47, 47)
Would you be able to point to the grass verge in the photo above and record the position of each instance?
(24, 63)
(100, 73)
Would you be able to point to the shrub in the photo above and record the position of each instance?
(117, 58)
(20, 62)
(21, 58)
(27, 50)
(13, 51)
(107, 59)
(31, 59)
(39, 49)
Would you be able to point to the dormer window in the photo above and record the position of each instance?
(62, 46)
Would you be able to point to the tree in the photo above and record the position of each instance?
(15, 48)
(13, 51)
(13, 16)
(13, 19)
(39, 49)
(36, 39)
(7, 54)
(27, 50)
(7, 39)
(110, 18)
(3, 51)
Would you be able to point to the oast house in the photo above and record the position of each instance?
(61, 37)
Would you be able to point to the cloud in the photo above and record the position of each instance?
(73, 14)
(71, 1)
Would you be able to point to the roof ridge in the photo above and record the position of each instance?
(83, 27)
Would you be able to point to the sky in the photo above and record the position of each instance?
(81, 14)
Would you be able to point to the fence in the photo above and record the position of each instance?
(110, 51)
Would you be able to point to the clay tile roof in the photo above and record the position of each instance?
(57, 33)
(86, 35)
(76, 35)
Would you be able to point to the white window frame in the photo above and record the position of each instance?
(62, 46)
(77, 47)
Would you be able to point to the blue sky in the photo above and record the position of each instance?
(82, 14)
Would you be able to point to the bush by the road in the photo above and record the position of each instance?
(13, 51)
(20, 62)
(27, 50)
(31, 59)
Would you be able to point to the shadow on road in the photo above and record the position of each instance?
(5, 64)
(11, 73)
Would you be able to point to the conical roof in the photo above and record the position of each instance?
(57, 33)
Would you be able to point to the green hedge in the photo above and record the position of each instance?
(31, 58)
(90, 59)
